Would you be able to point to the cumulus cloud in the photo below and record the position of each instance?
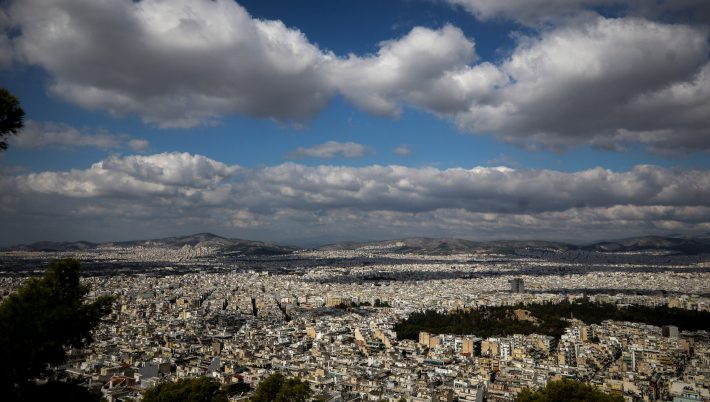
(545, 12)
(330, 150)
(7, 53)
(605, 82)
(138, 144)
(196, 191)
(577, 78)
(182, 63)
(403, 150)
(175, 63)
(44, 134)
(193, 177)
(414, 68)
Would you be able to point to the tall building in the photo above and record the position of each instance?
(669, 331)
(517, 285)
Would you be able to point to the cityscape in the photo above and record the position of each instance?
(190, 307)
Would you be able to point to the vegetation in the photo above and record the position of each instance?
(501, 321)
(45, 316)
(278, 388)
(187, 390)
(237, 388)
(379, 303)
(567, 391)
(11, 116)
(58, 390)
(348, 305)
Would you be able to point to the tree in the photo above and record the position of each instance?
(268, 388)
(567, 391)
(45, 316)
(11, 115)
(277, 388)
(186, 390)
(294, 390)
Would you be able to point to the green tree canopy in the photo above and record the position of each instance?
(278, 388)
(41, 319)
(567, 391)
(11, 116)
(202, 389)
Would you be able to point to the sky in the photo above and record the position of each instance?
(322, 121)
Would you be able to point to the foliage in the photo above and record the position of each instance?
(186, 390)
(485, 322)
(379, 303)
(68, 392)
(501, 321)
(278, 388)
(237, 388)
(11, 116)
(567, 391)
(41, 319)
(349, 305)
(268, 388)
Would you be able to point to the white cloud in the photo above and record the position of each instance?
(181, 63)
(192, 177)
(531, 12)
(607, 82)
(175, 63)
(7, 53)
(329, 150)
(138, 144)
(45, 134)
(193, 191)
(554, 12)
(577, 78)
(290, 185)
(407, 69)
(403, 150)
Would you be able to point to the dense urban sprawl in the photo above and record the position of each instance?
(312, 315)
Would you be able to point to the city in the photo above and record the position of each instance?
(328, 316)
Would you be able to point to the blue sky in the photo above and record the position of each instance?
(319, 121)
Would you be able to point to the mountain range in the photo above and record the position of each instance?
(246, 247)
(425, 245)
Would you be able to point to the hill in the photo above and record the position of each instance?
(236, 246)
(679, 245)
(438, 246)
(669, 245)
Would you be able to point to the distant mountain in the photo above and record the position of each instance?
(679, 245)
(55, 246)
(423, 245)
(452, 245)
(236, 246)
(412, 245)
(426, 245)
(540, 245)
(199, 239)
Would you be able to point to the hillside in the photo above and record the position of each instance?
(237, 246)
(439, 246)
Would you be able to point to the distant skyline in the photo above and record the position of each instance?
(316, 122)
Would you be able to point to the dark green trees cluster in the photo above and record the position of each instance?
(11, 116)
(379, 303)
(495, 321)
(274, 388)
(485, 322)
(277, 388)
(203, 389)
(45, 316)
(567, 391)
